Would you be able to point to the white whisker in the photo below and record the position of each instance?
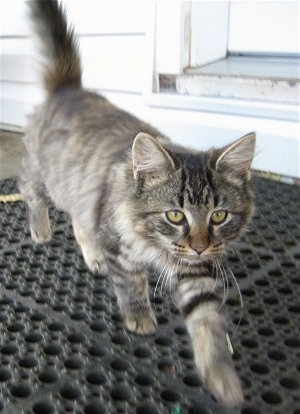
(241, 300)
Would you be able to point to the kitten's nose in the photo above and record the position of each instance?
(199, 248)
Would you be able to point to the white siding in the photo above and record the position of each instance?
(120, 49)
(113, 46)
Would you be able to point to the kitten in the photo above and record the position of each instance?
(136, 200)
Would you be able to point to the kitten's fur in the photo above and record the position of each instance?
(117, 177)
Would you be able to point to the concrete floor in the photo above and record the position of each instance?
(11, 152)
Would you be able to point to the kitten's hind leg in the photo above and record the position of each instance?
(90, 249)
(34, 194)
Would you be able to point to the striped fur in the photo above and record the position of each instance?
(117, 177)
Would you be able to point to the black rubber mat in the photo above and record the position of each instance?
(63, 348)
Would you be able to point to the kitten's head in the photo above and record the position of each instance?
(190, 204)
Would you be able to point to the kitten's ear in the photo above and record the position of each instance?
(238, 156)
(150, 160)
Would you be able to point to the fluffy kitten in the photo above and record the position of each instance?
(136, 200)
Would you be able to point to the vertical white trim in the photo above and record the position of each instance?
(173, 25)
(209, 34)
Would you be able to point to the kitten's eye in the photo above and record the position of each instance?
(175, 216)
(218, 217)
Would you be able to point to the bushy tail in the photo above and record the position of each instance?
(62, 66)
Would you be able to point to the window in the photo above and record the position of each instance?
(253, 53)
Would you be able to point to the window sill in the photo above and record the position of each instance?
(261, 86)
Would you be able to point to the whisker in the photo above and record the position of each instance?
(159, 279)
(223, 282)
(241, 300)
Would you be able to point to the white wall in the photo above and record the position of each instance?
(120, 49)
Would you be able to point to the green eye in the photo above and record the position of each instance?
(218, 217)
(175, 216)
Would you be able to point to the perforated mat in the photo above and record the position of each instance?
(63, 347)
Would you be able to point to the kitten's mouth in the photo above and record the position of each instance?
(194, 258)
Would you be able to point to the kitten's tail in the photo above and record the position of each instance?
(62, 66)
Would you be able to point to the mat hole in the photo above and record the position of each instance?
(120, 393)
(294, 309)
(97, 351)
(119, 365)
(287, 264)
(292, 342)
(271, 397)
(259, 368)
(271, 301)
(28, 362)
(168, 367)
(119, 339)
(96, 378)
(186, 354)
(249, 343)
(280, 320)
(262, 282)
(250, 410)
(43, 407)
(266, 331)
(275, 273)
(289, 383)
(162, 320)
(49, 376)
(4, 375)
(56, 326)
(285, 291)
(147, 408)
(256, 311)
(9, 349)
(52, 349)
(38, 317)
(73, 363)
(163, 341)
(192, 380)
(142, 352)
(98, 326)
(70, 392)
(79, 316)
(102, 307)
(16, 327)
(34, 337)
(76, 338)
(277, 355)
(21, 391)
(248, 292)
(240, 321)
(170, 395)
(94, 408)
(144, 380)
(180, 330)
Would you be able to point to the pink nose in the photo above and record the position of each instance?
(199, 249)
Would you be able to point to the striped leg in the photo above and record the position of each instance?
(34, 194)
(199, 301)
(90, 248)
(131, 288)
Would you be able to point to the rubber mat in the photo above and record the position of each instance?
(63, 347)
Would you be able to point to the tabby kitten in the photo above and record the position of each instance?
(136, 200)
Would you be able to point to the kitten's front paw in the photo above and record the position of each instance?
(97, 267)
(222, 381)
(41, 236)
(141, 323)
